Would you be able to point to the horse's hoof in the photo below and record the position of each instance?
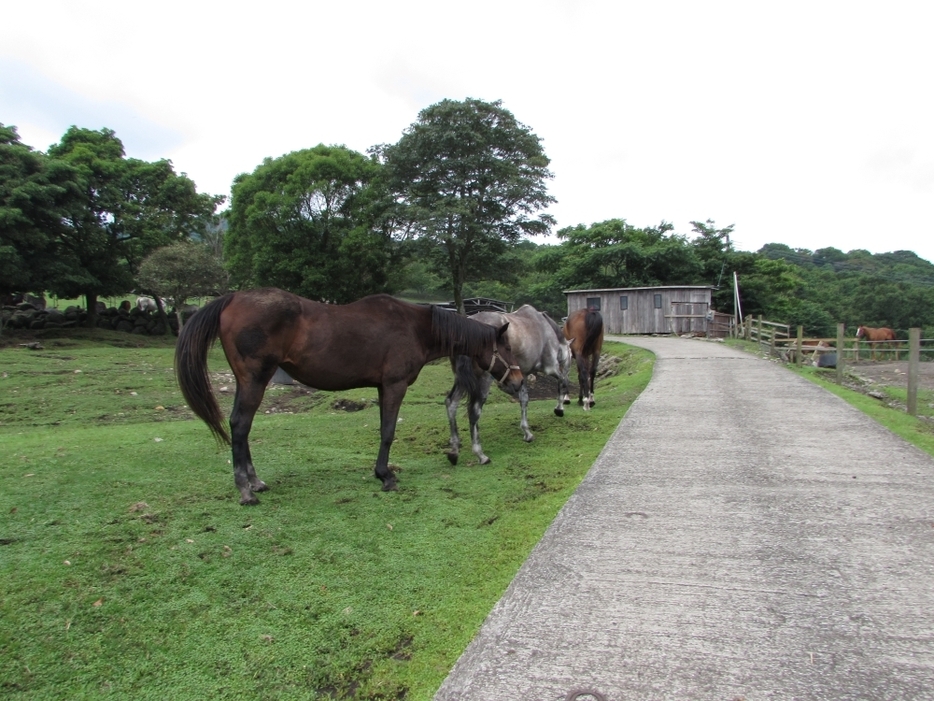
(580, 402)
(559, 412)
(485, 460)
(528, 439)
(390, 486)
(259, 487)
(452, 458)
(567, 401)
(249, 501)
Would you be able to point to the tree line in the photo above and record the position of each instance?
(451, 210)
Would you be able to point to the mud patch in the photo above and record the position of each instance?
(546, 387)
(350, 405)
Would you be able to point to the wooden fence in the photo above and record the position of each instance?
(779, 342)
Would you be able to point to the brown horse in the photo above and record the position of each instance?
(378, 341)
(875, 336)
(584, 330)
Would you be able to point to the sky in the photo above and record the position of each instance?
(804, 123)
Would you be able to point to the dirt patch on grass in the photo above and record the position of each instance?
(546, 387)
(891, 374)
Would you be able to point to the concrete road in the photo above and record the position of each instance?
(743, 535)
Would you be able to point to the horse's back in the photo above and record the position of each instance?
(584, 328)
(533, 338)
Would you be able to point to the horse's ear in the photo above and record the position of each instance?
(502, 330)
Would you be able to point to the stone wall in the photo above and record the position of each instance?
(132, 320)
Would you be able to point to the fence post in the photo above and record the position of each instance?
(747, 328)
(840, 354)
(914, 357)
(759, 334)
(800, 343)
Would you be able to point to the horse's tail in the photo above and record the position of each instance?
(465, 377)
(191, 364)
(593, 337)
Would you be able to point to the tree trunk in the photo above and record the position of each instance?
(458, 281)
(91, 299)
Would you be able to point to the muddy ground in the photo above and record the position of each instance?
(894, 373)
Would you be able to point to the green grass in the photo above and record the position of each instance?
(129, 569)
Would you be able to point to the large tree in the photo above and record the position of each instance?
(312, 222)
(34, 194)
(125, 208)
(470, 180)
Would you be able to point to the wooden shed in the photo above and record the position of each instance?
(676, 309)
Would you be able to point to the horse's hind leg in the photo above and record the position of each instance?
(583, 375)
(390, 399)
(527, 434)
(594, 362)
(451, 402)
(246, 402)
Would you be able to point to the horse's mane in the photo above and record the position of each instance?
(554, 327)
(457, 334)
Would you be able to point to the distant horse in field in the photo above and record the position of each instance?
(538, 345)
(148, 304)
(875, 336)
(584, 331)
(378, 341)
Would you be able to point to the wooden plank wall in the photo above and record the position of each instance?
(683, 309)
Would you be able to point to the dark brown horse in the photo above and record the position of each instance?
(378, 341)
(875, 337)
(584, 330)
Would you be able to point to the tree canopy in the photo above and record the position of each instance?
(183, 270)
(107, 213)
(34, 193)
(470, 180)
(312, 222)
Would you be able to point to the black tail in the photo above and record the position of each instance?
(465, 378)
(593, 322)
(191, 364)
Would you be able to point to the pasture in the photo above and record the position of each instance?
(129, 568)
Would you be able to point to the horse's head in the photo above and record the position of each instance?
(860, 332)
(565, 355)
(503, 364)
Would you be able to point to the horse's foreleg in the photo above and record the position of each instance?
(390, 399)
(451, 402)
(562, 394)
(246, 401)
(527, 435)
(474, 410)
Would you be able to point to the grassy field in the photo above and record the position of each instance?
(130, 571)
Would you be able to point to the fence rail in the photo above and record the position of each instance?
(780, 343)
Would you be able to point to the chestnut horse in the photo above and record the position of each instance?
(584, 330)
(875, 336)
(378, 341)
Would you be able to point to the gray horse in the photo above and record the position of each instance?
(538, 345)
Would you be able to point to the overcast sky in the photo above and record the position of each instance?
(804, 123)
